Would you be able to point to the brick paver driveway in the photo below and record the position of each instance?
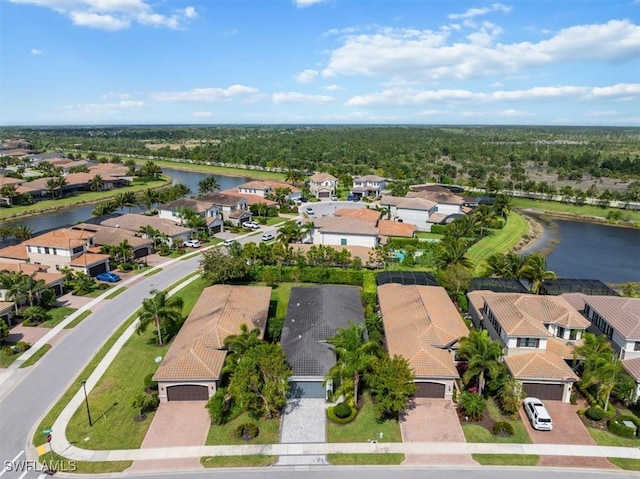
(177, 423)
(304, 420)
(433, 420)
(567, 429)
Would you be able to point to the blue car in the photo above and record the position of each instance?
(108, 277)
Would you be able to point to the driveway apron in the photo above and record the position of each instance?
(304, 421)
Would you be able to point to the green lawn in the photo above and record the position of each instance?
(78, 318)
(498, 241)
(605, 438)
(57, 316)
(7, 360)
(428, 235)
(506, 459)
(384, 459)
(114, 425)
(365, 427)
(68, 465)
(224, 434)
(216, 170)
(238, 461)
(476, 433)
(626, 464)
(37, 355)
(280, 295)
(559, 207)
(116, 292)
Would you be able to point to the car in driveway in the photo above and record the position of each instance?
(251, 225)
(309, 210)
(192, 243)
(268, 237)
(108, 277)
(538, 414)
(333, 198)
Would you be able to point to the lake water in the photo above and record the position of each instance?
(592, 251)
(81, 213)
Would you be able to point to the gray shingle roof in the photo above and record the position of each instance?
(314, 314)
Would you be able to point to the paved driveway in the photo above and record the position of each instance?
(304, 420)
(177, 423)
(433, 420)
(568, 428)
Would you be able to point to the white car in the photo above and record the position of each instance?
(333, 198)
(251, 224)
(309, 210)
(192, 243)
(538, 414)
(268, 237)
(229, 242)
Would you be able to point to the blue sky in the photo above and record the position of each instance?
(524, 62)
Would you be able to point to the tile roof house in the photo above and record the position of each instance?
(538, 334)
(323, 185)
(202, 206)
(368, 186)
(424, 208)
(133, 222)
(55, 281)
(314, 315)
(192, 368)
(110, 236)
(264, 187)
(423, 326)
(231, 205)
(344, 231)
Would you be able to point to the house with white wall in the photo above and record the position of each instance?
(232, 207)
(323, 185)
(203, 207)
(368, 186)
(344, 231)
(415, 211)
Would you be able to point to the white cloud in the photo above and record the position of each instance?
(112, 15)
(207, 95)
(106, 108)
(35, 51)
(307, 76)
(429, 113)
(428, 55)
(202, 114)
(306, 3)
(290, 98)
(111, 94)
(475, 12)
(333, 88)
(512, 113)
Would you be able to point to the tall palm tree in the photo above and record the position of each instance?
(502, 204)
(96, 183)
(161, 310)
(104, 208)
(483, 357)
(9, 192)
(451, 251)
(11, 283)
(32, 287)
(535, 271)
(238, 344)
(604, 374)
(148, 198)
(483, 215)
(289, 233)
(208, 185)
(23, 232)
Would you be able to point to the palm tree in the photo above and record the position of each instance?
(96, 183)
(603, 373)
(51, 185)
(9, 191)
(11, 282)
(32, 287)
(148, 198)
(104, 208)
(179, 190)
(159, 310)
(483, 215)
(23, 232)
(208, 185)
(535, 271)
(502, 204)
(238, 344)
(451, 251)
(462, 227)
(124, 251)
(483, 357)
(290, 232)
(354, 357)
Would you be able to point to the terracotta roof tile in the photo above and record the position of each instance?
(134, 222)
(633, 367)
(407, 203)
(442, 197)
(347, 225)
(61, 238)
(89, 259)
(396, 228)
(17, 251)
(623, 314)
(365, 214)
(320, 177)
(26, 268)
(537, 366)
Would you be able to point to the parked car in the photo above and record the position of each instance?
(108, 277)
(303, 199)
(309, 210)
(353, 198)
(192, 243)
(538, 414)
(251, 225)
(229, 242)
(333, 198)
(268, 237)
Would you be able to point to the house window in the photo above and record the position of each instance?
(528, 342)
(343, 242)
(636, 346)
(560, 332)
(573, 334)
(46, 250)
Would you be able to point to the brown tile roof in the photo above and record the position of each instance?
(49, 278)
(395, 228)
(347, 225)
(107, 235)
(225, 198)
(633, 367)
(537, 366)
(196, 352)
(623, 314)
(26, 268)
(79, 178)
(416, 318)
(320, 177)
(576, 300)
(198, 205)
(134, 222)
(7, 180)
(365, 214)
(407, 203)
(255, 185)
(442, 197)
(281, 184)
(437, 217)
(367, 178)
(17, 251)
(89, 259)
(562, 348)
(250, 199)
(61, 238)
(6, 306)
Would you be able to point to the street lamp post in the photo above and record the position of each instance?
(86, 401)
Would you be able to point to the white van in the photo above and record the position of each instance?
(538, 414)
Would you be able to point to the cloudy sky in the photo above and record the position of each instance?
(524, 62)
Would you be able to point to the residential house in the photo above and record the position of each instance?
(264, 188)
(447, 203)
(343, 231)
(67, 247)
(323, 185)
(110, 236)
(368, 186)
(415, 211)
(231, 206)
(175, 234)
(192, 368)
(314, 315)
(538, 334)
(423, 326)
(203, 207)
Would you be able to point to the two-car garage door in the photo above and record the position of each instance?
(430, 390)
(187, 392)
(552, 392)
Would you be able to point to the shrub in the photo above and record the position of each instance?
(574, 398)
(247, 431)
(503, 429)
(342, 410)
(617, 427)
(149, 383)
(439, 229)
(125, 267)
(472, 405)
(595, 413)
(8, 350)
(21, 346)
(332, 416)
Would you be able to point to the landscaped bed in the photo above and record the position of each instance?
(268, 432)
(365, 427)
(482, 431)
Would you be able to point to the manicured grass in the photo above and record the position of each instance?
(79, 199)
(238, 461)
(77, 320)
(79, 467)
(153, 271)
(605, 438)
(116, 293)
(476, 433)
(37, 355)
(225, 434)
(428, 235)
(98, 291)
(498, 241)
(216, 170)
(114, 426)
(626, 464)
(385, 459)
(280, 295)
(506, 459)
(559, 207)
(57, 316)
(7, 360)
(365, 427)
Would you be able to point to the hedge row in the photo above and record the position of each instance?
(310, 274)
(616, 426)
